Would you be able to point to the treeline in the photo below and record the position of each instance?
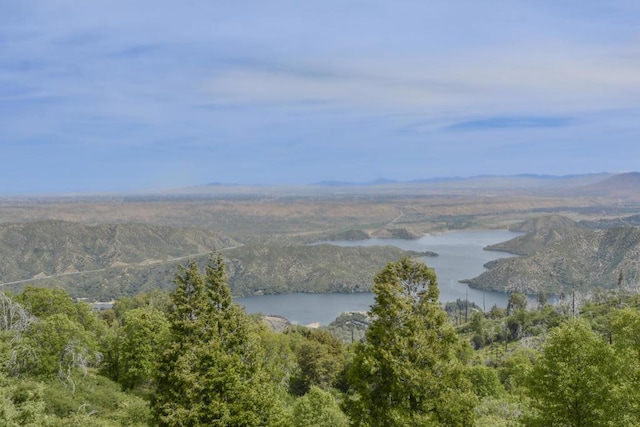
(194, 358)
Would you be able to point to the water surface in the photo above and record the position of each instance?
(461, 257)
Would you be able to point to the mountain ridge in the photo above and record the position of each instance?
(578, 258)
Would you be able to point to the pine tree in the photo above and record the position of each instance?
(406, 372)
(211, 373)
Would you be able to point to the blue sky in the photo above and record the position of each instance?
(113, 95)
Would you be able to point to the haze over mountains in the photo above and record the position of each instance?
(623, 185)
(108, 245)
(488, 180)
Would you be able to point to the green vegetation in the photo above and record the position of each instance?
(193, 357)
(406, 372)
(211, 372)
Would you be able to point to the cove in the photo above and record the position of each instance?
(461, 256)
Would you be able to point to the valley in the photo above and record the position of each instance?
(106, 246)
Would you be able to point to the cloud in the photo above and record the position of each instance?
(552, 79)
(511, 123)
(317, 87)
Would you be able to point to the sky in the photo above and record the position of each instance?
(121, 95)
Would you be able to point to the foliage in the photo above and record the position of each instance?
(144, 336)
(461, 310)
(22, 404)
(318, 408)
(406, 372)
(194, 358)
(95, 400)
(155, 299)
(484, 381)
(320, 360)
(42, 302)
(54, 346)
(573, 382)
(211, 372)
(626, 342)
(499, 412)
(517, 302)
(515, 368)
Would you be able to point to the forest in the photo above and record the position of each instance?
(192, 357)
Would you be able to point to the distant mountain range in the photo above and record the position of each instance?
(622, 185)
(616, 185)
(528, 180)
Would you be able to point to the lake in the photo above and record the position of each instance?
(461, 257)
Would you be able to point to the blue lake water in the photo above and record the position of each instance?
(461, 257)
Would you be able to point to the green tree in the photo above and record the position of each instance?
(144, 335)
(573, 383)
(44, 302)
(406, 372)
(517, 302)
(625, 331)
(479, 329)
(485, 381)
(156, 299)
(318, 408)
(515, 369)
(55, 345)
(211, 373)
(320, 360)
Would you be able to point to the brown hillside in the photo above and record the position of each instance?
(624, 186)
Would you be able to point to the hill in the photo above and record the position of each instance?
(624, 186)
(271, 269)
(540, 232)
(46, 248)
(580, 260)
(111, 260)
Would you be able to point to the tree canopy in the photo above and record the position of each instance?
(406, 372)
(211, 372)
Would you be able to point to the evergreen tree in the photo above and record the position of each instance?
(575, 380)
(211, 373)
(406, 372)
(144, 335)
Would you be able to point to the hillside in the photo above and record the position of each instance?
(112, 260)
(623, 186)
(540, 232)
(589, 258)
(625, 221)
(317, 268)
(48, 248)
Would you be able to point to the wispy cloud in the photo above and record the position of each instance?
(511, 123)
(323, 90)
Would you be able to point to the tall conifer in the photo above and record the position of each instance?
(211, 374)
(406, 372)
